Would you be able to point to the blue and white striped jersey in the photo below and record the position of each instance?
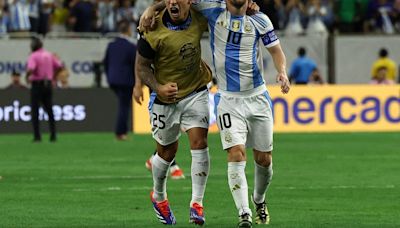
(234, 43)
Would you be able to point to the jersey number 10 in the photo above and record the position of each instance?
(234, 37)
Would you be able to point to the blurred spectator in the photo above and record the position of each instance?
(381, 77)
(384, 62)
(320, 16)
(19, 16)
(303, 68)
(107, 15)
(34, 11)
(46, 10)
(127, 12)
(59, 17)
(119, 62)
(82, 16)
(396, 15)
(350, 15)
(41, 69)
(140, 7)
(295, 11)
(4, 18)
(272, 8)
(315, 78)
(62, 79)
(379, 16)
(16, 81)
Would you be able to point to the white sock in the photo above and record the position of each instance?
(262, 179)
(200, 171)
(159, 170)
(238, 186)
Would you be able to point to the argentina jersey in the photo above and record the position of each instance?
(234, 44)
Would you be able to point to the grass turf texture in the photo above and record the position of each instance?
(91, 180)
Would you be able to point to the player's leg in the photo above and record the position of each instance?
(260, 137)
(161, 163)
(262, 178)
(233, 131)
(166, 131)
(200, 169)
(176, 173)
(195, 117)
(238, 183)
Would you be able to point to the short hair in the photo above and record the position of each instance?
(383, 53)
(302, 51)
(36, 43)
(123, 26)
(16, 73)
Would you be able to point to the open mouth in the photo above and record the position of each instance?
(174, 11)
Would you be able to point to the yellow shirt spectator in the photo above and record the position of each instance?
(386, 62)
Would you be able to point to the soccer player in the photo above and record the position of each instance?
(180, 100)
(244, 108)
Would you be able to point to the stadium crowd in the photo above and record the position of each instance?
(289, 16)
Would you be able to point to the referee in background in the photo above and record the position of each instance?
(41, 69)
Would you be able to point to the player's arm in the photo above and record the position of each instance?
(143, 62)
(147, 20)
(280, 65)
(145, 73)
(138, 88)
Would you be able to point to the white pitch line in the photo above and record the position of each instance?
(282, 188)
(88, 178)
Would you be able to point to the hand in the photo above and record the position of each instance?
(138, 94)
(283, 80)
(252, 8)
(168, 91)
(147, 21)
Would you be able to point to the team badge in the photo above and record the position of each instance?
(247, 28)
(235, 25)
(228, 137)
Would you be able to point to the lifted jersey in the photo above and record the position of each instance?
(234, 43)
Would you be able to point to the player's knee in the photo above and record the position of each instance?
(167, 152)
(198, 143)
(236, 155)
(264, 159)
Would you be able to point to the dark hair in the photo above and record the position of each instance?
(15, 73)
(36, 44)
(123, 26)
(383, 52)
(302, 51)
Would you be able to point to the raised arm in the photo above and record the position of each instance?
(147, 20)
(280, 65)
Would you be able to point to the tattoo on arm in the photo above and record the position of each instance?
(146, 75)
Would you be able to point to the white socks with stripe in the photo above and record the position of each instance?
(160, 171)
(199, 171)
(238, 186)
(262, 179)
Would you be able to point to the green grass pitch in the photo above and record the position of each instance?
(91, 180)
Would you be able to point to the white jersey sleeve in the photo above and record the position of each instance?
(266, 30)
(209, 8)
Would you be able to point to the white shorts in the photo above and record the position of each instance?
(245, 121)
(167, 120)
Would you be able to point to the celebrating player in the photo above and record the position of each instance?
(180, 100)
(244, 108)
